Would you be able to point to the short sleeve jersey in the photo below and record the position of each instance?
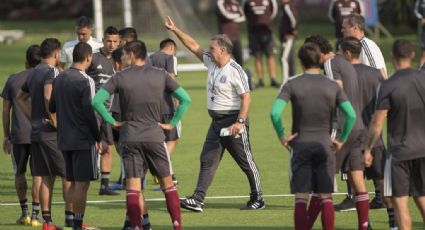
(21, 125)
(260, 15)
(168, 63)
(371, 54)
(406, 111)
(337, 68)
(101, 70)
(68, 48)
(42, 75)
(369, 80)
(73, 92)
(225, 85)
(141, 90)
(314, 99)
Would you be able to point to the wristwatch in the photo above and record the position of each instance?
(241, 120)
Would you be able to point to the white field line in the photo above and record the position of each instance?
(163, 199)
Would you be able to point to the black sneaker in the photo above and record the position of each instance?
(274, 83)
(107, 191)
(174, 178)
(347, 204)
(260, 83)
(377, 203)
(253, 204)
(192, 204)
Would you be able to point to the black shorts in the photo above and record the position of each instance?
(47, 160)
(261, 44)
(20, 155)
(312, 166)
(174, 134)
(376, 170)
(81, 165)
(106, 133)
(350, 156)
(116, 133)
(408, 177)
(137, 155)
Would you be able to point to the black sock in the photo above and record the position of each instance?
(24, 207)
(47, 218)
(35, 210)
(145, 220)
(104, 181)
(69, 219)
(127, 223)
(391, 217)
(78, 220)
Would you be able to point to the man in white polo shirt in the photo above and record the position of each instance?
(228, 99)
(371, 55)
(84, 30)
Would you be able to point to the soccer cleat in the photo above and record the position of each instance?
(260, 83)
(377, 203)
(175, 181)
(24, 220)
(35, 222)
(107, 191)
(50, 227)
(254, 204)
(146, 227)
(116, 186)
(347, 204)
(192, 204)
(274, 83)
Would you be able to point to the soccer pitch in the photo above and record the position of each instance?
(229, 189)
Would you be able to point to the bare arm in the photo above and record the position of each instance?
(375, 130)
(47, 95)
(243, 113)
(187, 40)
(6, 125)
(383, 73)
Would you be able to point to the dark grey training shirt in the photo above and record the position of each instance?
(41, 129)
(406, 124)
(71, 100)
(314, 99)
(337, 68)
(141, 90)
(168, 63)
(101, 70)
(21, 125)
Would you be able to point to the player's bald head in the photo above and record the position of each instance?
(224, 42)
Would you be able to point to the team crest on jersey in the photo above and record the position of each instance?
(99, 66)
(223, 78)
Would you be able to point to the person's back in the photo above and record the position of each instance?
(70, 88)
(260, 14)
(41, 128)
(340, 9)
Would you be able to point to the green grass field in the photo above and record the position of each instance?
(222, 209)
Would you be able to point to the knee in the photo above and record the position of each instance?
(21, 184)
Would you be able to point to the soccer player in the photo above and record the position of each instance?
(369, 79)
(341, 9)
(165, 59)
(259, 15)
(78, 134)
(127, 34)
(17, 138)
(314, 99)
(288, 30)
(47, 160)
(142, 90)
(101, 70)
(349, 158)
(420, 15)
(401, 99)
(84, 30)
(228, 98)
(354, 26)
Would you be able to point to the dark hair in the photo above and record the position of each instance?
(84, 22)
(128, 33)
(33, 55)
(309, 55)
(356, 20)
(81, 51)
(166, 42)
(323, 44)
(351, 44)
(224, 41)
(402, 49)
(138, 48)
(110, 31)
(49, 46)
(117, 54)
